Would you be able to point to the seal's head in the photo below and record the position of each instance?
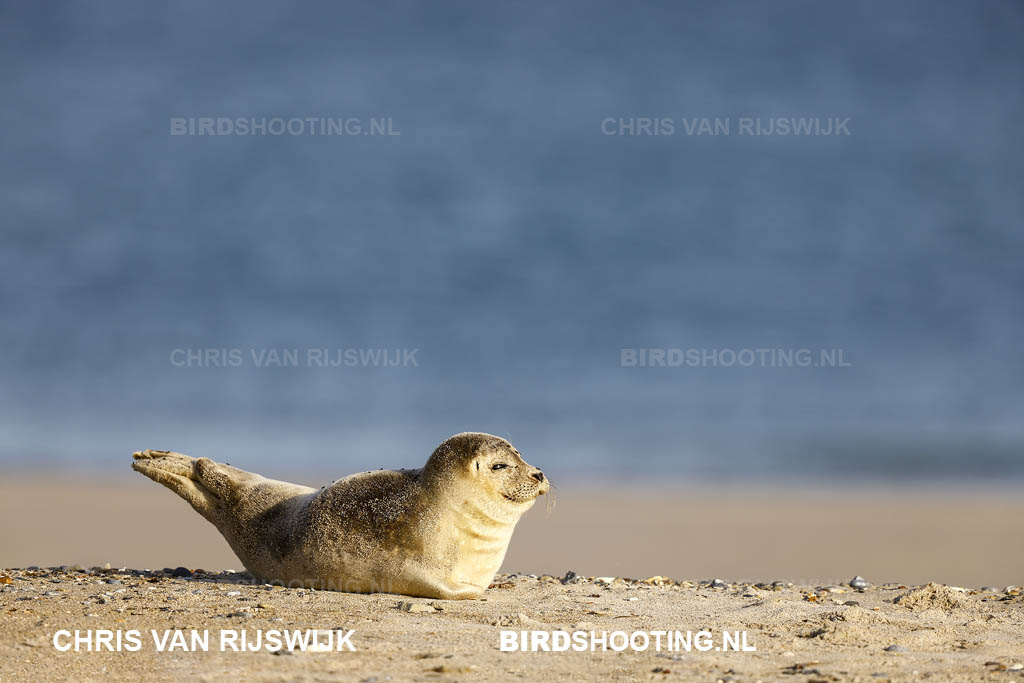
(492, 464)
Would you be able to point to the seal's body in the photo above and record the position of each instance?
(438, 532)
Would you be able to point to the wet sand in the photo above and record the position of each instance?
(965, 538)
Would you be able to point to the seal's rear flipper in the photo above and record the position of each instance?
(181, 474)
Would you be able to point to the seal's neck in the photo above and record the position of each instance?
(485, 514)
(467, 502)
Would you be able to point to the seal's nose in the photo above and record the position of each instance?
(538, 475)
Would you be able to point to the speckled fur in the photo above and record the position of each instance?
(438, 532)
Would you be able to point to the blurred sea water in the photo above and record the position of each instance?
(511, 244)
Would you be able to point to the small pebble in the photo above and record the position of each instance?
(859, 582)
(230, 593)
(528, 622)
(896, 648)
(717, 583)
(416, 607)
(570, 577)
(181, 571)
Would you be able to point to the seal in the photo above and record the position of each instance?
(437, 532)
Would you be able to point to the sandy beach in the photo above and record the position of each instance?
(805, 633)
(643, 560)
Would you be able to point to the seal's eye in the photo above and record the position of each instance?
(499, 466)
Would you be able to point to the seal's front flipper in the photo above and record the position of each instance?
(417, 581)
(178, 473)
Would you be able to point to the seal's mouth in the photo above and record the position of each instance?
(527, 499)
